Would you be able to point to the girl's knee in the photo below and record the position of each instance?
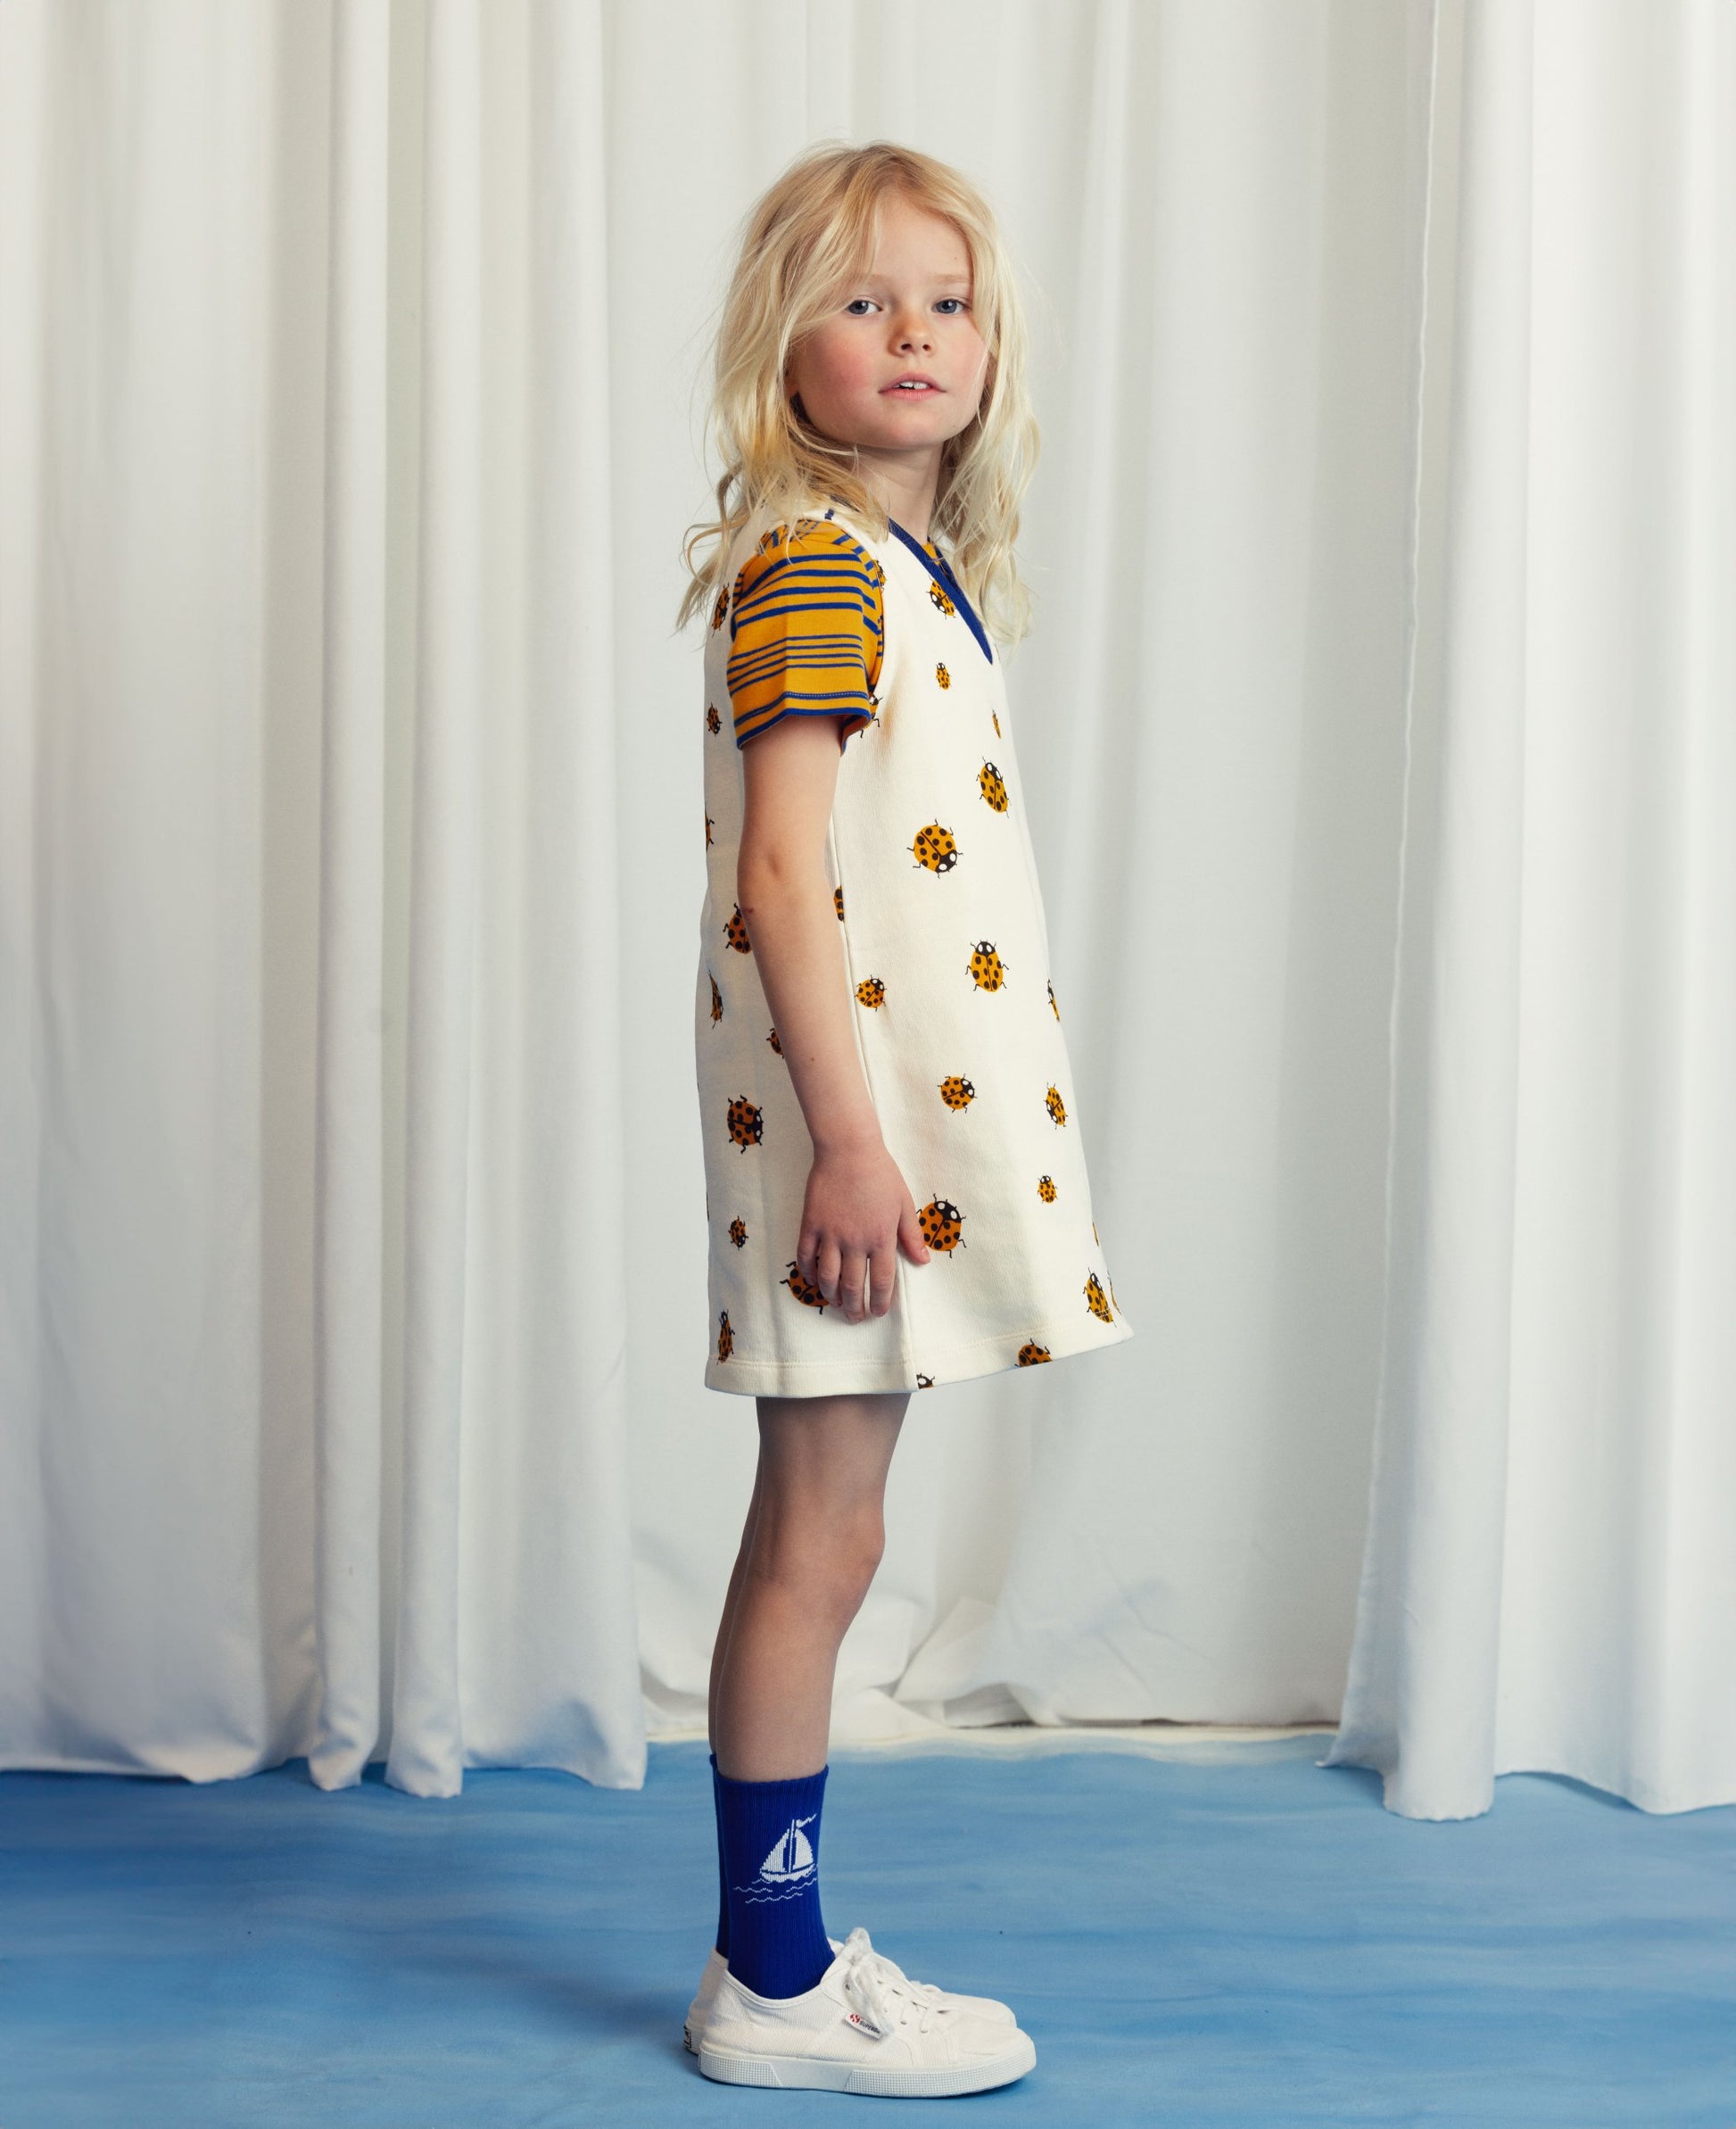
(824, 1562)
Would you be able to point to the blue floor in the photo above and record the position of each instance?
(1239, 1937)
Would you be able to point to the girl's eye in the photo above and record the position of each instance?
(850, 308)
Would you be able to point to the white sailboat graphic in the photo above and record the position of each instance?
(792, 1855)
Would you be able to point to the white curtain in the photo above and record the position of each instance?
(1550, 1576)
(351, 1241)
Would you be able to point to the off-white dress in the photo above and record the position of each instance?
(959, 1029)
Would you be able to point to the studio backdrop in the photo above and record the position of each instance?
(1378, 725)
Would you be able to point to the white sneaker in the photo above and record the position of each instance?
(717, 1965)
(863, 2027)
(699, 2009)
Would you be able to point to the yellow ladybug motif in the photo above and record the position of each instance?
(777, 1046)
(924, 1382)
(957, 1093)
(717, 998)
(736, 931)
(943, 676)
(838, 902)
(941, 599)
(725, 1336)
(993, 786)
(721, 609)
(1032, 1353)
(1052, 1006)
(708, 838)
(738, 1232)
(1112, 1296)
(1046, 1189)
(1057, 1107)
(871, 991)
(942, 1224)
(935, 848)
(799, 1287)
(745, 1122)
(1094, 1238)
(1093, 1298)
(996, 722)
(986, 970)
(714, 723)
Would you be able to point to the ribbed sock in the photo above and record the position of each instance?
(770, 1837)
(722, 1880)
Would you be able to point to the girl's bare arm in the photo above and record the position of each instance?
(859, 1210)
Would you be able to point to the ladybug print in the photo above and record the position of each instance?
(780, 642)
(942, 1224)
(935, 848)
(744, 1121)
(810, 1296)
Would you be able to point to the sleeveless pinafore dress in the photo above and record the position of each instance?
(959, 1029)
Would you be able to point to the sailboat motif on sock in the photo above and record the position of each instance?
(788, 1869)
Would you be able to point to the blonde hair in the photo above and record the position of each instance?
(802, 242)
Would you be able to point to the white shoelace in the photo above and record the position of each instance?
(874, 1986)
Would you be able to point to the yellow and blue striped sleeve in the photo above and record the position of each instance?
(806, 628)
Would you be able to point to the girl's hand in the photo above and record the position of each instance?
(857, 1214)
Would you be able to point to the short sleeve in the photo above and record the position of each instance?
(806, 622)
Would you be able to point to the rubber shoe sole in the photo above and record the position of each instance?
(908, 2082)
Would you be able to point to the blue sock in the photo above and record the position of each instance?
(723, 1881)
(770, 1833)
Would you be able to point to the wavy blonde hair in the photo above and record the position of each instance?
(802, 243)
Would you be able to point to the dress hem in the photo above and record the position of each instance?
(960, 1363)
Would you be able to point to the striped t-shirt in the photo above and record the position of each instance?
(806, 629)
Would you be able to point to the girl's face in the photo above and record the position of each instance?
(908, 314)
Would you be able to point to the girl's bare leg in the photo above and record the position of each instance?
(813, 1536)
(720, 1647)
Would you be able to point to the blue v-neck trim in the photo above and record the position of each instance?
(942, 573)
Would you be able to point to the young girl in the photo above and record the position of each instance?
(896, 1189)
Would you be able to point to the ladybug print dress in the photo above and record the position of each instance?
(945, 952)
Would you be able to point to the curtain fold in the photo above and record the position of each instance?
(1551, 1557)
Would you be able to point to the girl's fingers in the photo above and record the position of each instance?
(825, 1269)
(882, 1276)
(853, 1285)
